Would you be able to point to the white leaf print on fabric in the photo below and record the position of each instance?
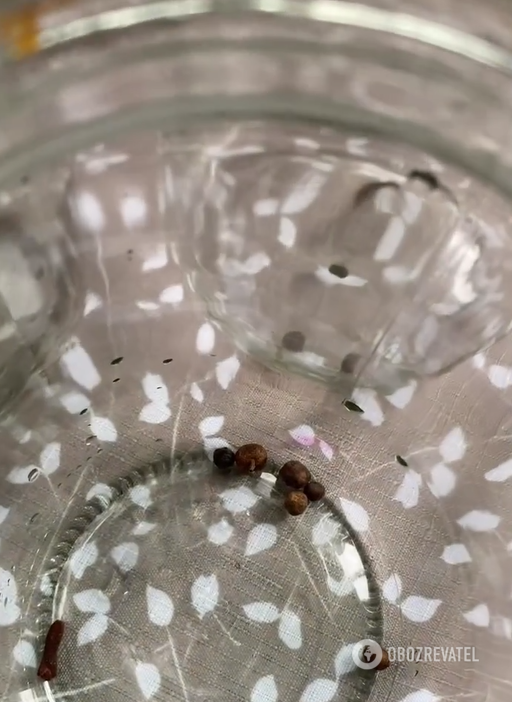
(155, 413)
(479, 520)
(455, 554)
(141, 495)
(143, 528)
(320, 690)
(479, 615)
(92, 302)
(205, 594)
(303, 435)
(261, 538)
(356, 515)
(93, 601)
(220, 533)
(147, 305)
(419, 609)
(344, 661)
(74, 402)
(205, 339)
(160, 606)
(77, 364)
(453, 446)
(304, 193)
(211, 426)
(172, 295)
(4, 511)
(263, 612)
(103, 429)
(264, 690)
(46, 586)
(500, 376)
(155, 388)
(50, 458)
(93, 629)
(238, 499)
(401, 397)
(392, 588)
(266, 207)
(287, 232)
(125, 555)
(325, 531)
(341, 588)
(226, 371)
(500, 473)
(100, 490)
(196, 393)
(442, 480)
(24, 654)
(367, 401)
(9, 609)
(290, 631)
(326, 449)
(409, 491)
(148, 679)
(422, 695)
(83, 558)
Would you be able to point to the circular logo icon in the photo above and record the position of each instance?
(367, 654)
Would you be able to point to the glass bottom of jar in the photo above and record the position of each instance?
(177, 571)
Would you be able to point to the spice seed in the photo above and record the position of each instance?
(296, 503)
(350, 405)
(339, 270)
(349, 363)
(401, 461)
(293, 341)
(314, 491)
(224, 458)
(294, 474)
(385, 662)
(428, 178)
(116, 361)
(251, 458)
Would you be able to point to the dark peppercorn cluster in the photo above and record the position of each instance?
(251, 459)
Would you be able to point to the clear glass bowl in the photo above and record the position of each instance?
(174, 581)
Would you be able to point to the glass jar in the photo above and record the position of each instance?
(261, 160)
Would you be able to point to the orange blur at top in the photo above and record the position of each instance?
(19, 30)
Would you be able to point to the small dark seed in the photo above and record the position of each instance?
(83, 411)
(385, 662)
(428, 178)
(402, 461)
(350, 405)
(251, 458)
(167, 360)
(349, 363)
(294, 474)
(293, 341)
(116, 361)
(33, 475)
(314, 491)
(339, 270)
(116, 380)
(296, 503)
(224, 458)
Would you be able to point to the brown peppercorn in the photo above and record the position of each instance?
(314, 491)
(295, 503)
(251, 458)
(293, 341)
(294, 474)
(224, 458)
(385, 662)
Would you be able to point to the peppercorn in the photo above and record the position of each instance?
(295, 503)
(314, 491)
(251, 458)
(293, 341)
(294, 474)
(224, 458)
(385, 662)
